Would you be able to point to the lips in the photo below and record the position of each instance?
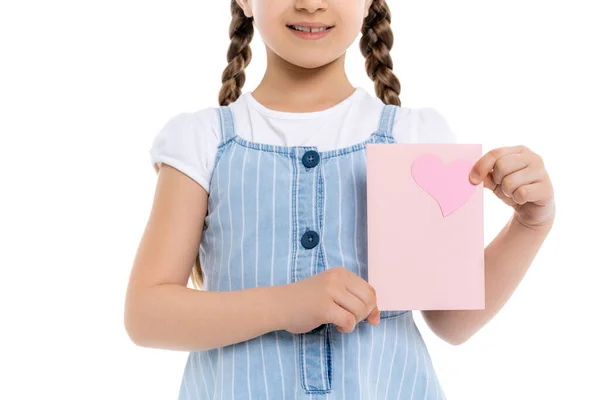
(309, 25)
(308, 34)
(309, 30)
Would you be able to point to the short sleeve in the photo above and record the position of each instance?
(422, 125)
(188, 142)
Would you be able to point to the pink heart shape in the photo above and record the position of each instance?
(448, 184)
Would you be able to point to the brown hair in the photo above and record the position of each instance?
(375, 45)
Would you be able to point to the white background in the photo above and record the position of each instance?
(85, 86)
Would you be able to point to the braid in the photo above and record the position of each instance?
(239, 55)
(375, 46)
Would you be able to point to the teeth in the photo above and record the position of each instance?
(306, 29)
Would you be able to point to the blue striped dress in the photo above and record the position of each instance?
(278, 215)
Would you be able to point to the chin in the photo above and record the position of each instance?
(309, 61)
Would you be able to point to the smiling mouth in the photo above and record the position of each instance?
(309, 30)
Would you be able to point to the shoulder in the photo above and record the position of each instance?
(421, 125)
(188, 141)
(411, 124)
(203, 122)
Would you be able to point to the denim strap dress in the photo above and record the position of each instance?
(277, 215)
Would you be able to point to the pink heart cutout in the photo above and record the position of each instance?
(448, 184)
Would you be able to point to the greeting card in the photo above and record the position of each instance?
(425, 227)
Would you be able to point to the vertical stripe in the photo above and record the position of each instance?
(385, 324)
(280, 364)
(405, 354)
(248, 368)
(337, 162)
(313, 270)
(212, 262)
(355, 217)
(273, 221)
(414, 336)
(230, 218)
(229, 270)
(295, 180)
(243, 275)
(393, 362)
(296, 389)
(262, 349)
(290, 267)
(243, 217)
(218, 270)
(273, 271)
(262, 356)
(219, 265)
(257, 216)
(426, 374)
(220, 361)
(211, 366)
(199, 366)
(229, 265)
(372, 330)
(324, 219)
(193, 373)
(291, 246)
(427, 363)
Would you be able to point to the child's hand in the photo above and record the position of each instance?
(518, 177)
(334, 296)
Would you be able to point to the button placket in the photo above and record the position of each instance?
(314, 350)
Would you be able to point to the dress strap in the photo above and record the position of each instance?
(386, 122)
(227, 124)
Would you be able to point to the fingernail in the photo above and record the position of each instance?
(474, 177)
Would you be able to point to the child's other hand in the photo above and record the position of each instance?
(335, 296)
(518, 177)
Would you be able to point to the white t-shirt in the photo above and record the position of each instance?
(189, 140)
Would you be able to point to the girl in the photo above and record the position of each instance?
(267, 193)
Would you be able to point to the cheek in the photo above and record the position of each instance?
(269, 23)
(270, 32)
(351, 26)
(351, 18)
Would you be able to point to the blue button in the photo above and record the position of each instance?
(310, 239)
(311, 159)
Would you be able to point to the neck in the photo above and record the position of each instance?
(289, 88)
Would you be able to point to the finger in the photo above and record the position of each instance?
(343, 320)
(362, 290)
(538, 193)
(374, 318)
(508, 164)
(488, 182)
(352, 304)
(513, 181)
(484, 165)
